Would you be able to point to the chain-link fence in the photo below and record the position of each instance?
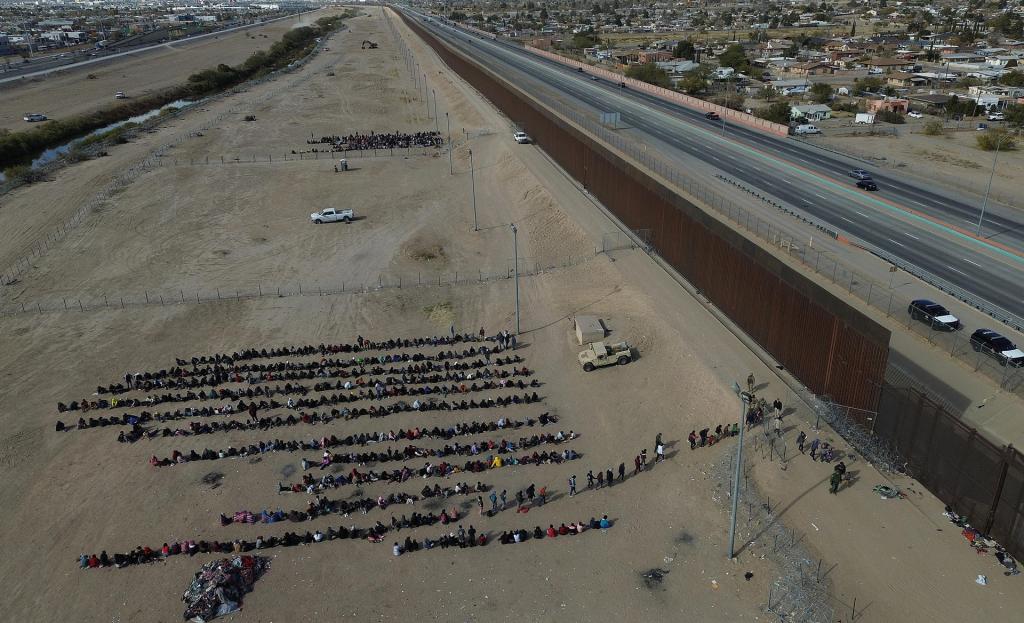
(161, 296)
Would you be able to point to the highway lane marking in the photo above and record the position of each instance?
(846, 219)
(923, 205)
(956, 270)
(862, 214)
(911, 235)
(897, 243)
(971, 262)
(817, 195)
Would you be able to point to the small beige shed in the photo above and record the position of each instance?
(588, 329)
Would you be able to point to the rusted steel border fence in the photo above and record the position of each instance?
(832, 348)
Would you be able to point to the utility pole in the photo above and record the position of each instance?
(436, 122)
(984, 203)
(515, 254)
(451, 165)
(744, 400)
(472, 177)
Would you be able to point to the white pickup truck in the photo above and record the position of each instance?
(330, 215)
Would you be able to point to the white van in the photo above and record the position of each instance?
(806, 128)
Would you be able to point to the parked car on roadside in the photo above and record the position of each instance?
(33, 117)
(915, 114)
(1001, 349)
(933, 314)
(521, 138)
(996, 116)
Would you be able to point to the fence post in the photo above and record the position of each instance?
(218, 293)
(182, 292)
(147, 297)
(39, 307)
(65, 304)
(1007, 457)
(259, 289)
(80, 306)
(122, 302)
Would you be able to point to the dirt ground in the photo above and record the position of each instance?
(221, 226)
(73, 92)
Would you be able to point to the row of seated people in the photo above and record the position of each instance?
(137, 432)
(380, 140)
(311, 485)
(479, 367)
(317, 507)
(145, 417)
(216, 374)
(329, 458)
(361, 344)
(143, 555)
(470, 538)
(426, 404)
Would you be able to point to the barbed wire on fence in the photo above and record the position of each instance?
(164, 296)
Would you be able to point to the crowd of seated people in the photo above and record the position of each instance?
(203, 428)
(312, 485)
(318, 507)
(324, 443)
(288, 371)
(470, 538)
(375, 140)
(422, 405)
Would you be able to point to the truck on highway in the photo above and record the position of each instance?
(599, 354)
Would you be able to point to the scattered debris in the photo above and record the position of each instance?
(748, 575)
(218, 586)
(888, 493)
(653, 577)
(982, 580)
(213, 479)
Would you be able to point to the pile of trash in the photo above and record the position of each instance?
(982, 544)
(219, 586)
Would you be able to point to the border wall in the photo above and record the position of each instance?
(831, 347)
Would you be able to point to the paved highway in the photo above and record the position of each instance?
(902, 218)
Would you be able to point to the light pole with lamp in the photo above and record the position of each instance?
(515, 255)
(472, 177)
(744, 401)
(451, 166)
(984, 203)
(436, 122)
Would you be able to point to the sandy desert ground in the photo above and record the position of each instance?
(73, 92)
(204, 227)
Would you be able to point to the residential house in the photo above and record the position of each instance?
(930, 100)
(813, 112)
(653, 56)
(812, 68)
(905, 80)
(894, 104)
(890, 65)
(677, 67)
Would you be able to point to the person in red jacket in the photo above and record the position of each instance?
(552, 533)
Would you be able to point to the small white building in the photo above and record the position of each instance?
(814, 112)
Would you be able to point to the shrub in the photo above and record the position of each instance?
(990, 140)
(890, 116)
(933, 128)
(25, 174)
(779, 112)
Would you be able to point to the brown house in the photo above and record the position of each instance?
(812, 68)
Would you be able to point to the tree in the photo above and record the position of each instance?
(584, 40)
(1015, 115)
(870, 84)
(693, 83)
(768, 92)
(1014, 78)
(734, 57)
(853, 29)
(821, 92)
(779, 112)
(650, 73)
(685, 49)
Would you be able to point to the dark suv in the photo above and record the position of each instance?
(1003, 350)
(933, 314)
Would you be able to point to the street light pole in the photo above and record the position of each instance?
(515, 254)
(744, 400)
(451, 166)
(472, 177)
(984, 203)
(436, 122)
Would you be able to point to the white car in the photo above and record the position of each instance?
(33, 117)
(120, 95)
(330, 215)
(521, 138)
(996, 116)
(915, 114)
